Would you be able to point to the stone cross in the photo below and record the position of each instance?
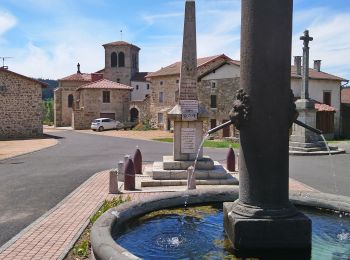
(305, 76)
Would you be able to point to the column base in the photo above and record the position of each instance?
(275, 231)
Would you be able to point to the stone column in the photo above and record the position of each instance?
(305, 87)
(263, 215)
(301, 138)
(188, 117)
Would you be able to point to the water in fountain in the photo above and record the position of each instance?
(198, 233)
(343, 234)
(192, 172)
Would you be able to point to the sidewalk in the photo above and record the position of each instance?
(53, 234)
(13, 148)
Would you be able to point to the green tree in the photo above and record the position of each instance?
(48, 111)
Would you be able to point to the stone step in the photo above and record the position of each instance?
(206, 163)
(158, 173)
(160, 183)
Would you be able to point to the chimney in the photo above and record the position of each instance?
(297, 64)
(96, 76)
(78, 71)
(317, 65)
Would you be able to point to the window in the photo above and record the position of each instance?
(137, 87)
(161, 83)
(121, 59)
(213, 85)
(147, 86)
(118, 80)
(114, 59)
(161, 97)
(177, 81)
(106, 96)
(213, 101)
(212, 123)
(327, 96)
(70, 100)
(160, 118)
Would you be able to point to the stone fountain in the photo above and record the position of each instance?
(258, 215)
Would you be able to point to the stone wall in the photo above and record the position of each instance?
(57, 108)
(63, 113)
(90, 106)
(225, 95)
(20, 106)
(144, 109)
(169, 86)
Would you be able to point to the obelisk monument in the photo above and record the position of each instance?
(263, 218)
(187, 115)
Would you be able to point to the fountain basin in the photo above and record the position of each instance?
(114, 220)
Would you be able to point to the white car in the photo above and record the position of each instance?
(101, 124)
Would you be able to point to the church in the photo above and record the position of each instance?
(121, 92)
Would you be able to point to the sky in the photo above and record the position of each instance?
(47, 38)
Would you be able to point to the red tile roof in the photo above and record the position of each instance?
(323, 107)
(120, 43)
(174, 69)
(77, 77)
(314, 74)
(105, 84)
(345, 96)
(42, 84)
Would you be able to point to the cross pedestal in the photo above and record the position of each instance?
(304, 140)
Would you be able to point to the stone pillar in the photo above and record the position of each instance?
(113, 182)
(187, 115)
(120, 171)
(231, 160)
(129, 176)
(263, 214)
(305, 87)
(138, 161)
(301, 138)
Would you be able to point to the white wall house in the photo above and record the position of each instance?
(141, 87)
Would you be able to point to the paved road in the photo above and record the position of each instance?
(32, 184)
(329, 174)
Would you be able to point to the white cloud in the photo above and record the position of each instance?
(331, 43)
(7, 21)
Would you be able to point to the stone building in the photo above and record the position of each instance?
(218, 80)
(345, 108)
(64, 96)
(20, 105)
(213, 84)
(101, 98)
(121, 66)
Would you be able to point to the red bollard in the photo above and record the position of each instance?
(129, 176)
(138, 161)
(231, 160)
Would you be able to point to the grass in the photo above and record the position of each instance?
(81, 249)
(339, 141)
(207, 143)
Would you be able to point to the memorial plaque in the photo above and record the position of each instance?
(188, 140)
(189, 109)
